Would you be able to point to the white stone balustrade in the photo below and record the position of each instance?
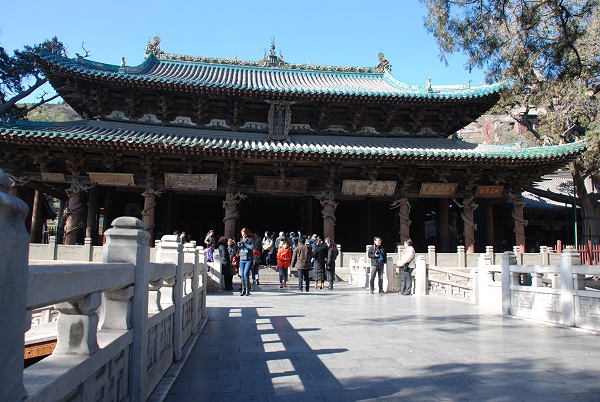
(116, 333)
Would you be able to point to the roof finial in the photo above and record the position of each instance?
(428, 84)
(153, 48)
(383, 65)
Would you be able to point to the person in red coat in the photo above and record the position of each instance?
(284, 258)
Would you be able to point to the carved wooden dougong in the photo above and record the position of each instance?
(468, 206)
(231, 212)
(327, 200)
(403, 213)
(520, 223)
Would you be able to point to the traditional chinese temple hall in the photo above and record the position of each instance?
(196, 143)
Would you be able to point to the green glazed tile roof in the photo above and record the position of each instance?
(300, 80)
(162, 139)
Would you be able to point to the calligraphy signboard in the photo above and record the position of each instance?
(176, 181)
(368, 187)
(438, 190)
(280, 119)
(112, 179)
(265, 184)
(489, 191)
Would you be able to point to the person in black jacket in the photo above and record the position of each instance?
(225, 262)
(378, 258)
(319, 252)
(332, 254)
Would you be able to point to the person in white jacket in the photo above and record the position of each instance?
(406, 265)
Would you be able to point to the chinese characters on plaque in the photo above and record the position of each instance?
(489, 192)
(438, 190)
(191, 181)
(281, 186)
(280, 119)
(368, 187)
(112, 179)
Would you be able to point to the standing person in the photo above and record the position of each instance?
(406, 265)
(301, 261)
(279, 239)
(268, 247)
(210, 256)
(209, 238)
(332, 254)
(225, 262)
(246, 253)
(319, 252)
(233, 256)
(378, 258)
(284, 257)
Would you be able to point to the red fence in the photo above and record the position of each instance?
(590, 253)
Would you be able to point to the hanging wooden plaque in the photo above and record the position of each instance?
(438, 190)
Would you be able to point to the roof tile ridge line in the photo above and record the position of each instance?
(260, 64)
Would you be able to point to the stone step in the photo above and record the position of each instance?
(269, 275)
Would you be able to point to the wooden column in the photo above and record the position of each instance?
(72, 214)
(520, 222)
(469, 226)
(108, 214)
(231, 212)
(444, 225)
(148, 212)
(327, 200)
(35, 231)
(91, 229)
(403, 215)
(489, 218)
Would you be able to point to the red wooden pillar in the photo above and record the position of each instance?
(444, 225)
(148, 212)
(469, 224)
(72, 216)
(520, 222)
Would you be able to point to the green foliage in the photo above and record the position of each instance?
(54, 112)
(20, 76)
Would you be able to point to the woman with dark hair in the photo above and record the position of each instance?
(330, 263)
(246, 253)
(225, 262)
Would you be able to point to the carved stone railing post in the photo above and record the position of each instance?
(431, 255)
(14, 243)
(52, 248)
(462, 258)
(508, 259)
(489, 251)
(127, 242)
(190, 256)
(77, 325)
(421, 275)
(171, 251)
(203, 276)
(568, 258)
(88, 249)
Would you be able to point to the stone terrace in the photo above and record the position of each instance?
(349, 345)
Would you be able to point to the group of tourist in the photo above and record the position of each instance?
(295, 251)
(406, 264)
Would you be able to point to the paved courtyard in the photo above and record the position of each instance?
(349, 345)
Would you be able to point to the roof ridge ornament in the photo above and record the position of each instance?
(383, 65)
(272, 60)
(153, 48)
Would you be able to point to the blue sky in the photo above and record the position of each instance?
(343, 33)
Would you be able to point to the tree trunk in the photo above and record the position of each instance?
(591, 211)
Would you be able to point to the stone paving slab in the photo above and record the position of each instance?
(349, 345)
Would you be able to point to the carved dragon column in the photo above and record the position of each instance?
(520, 222)
(327, 200)
(231, 212)
(403, 214)
(469, 227)
(72, 211)
(148, 212)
